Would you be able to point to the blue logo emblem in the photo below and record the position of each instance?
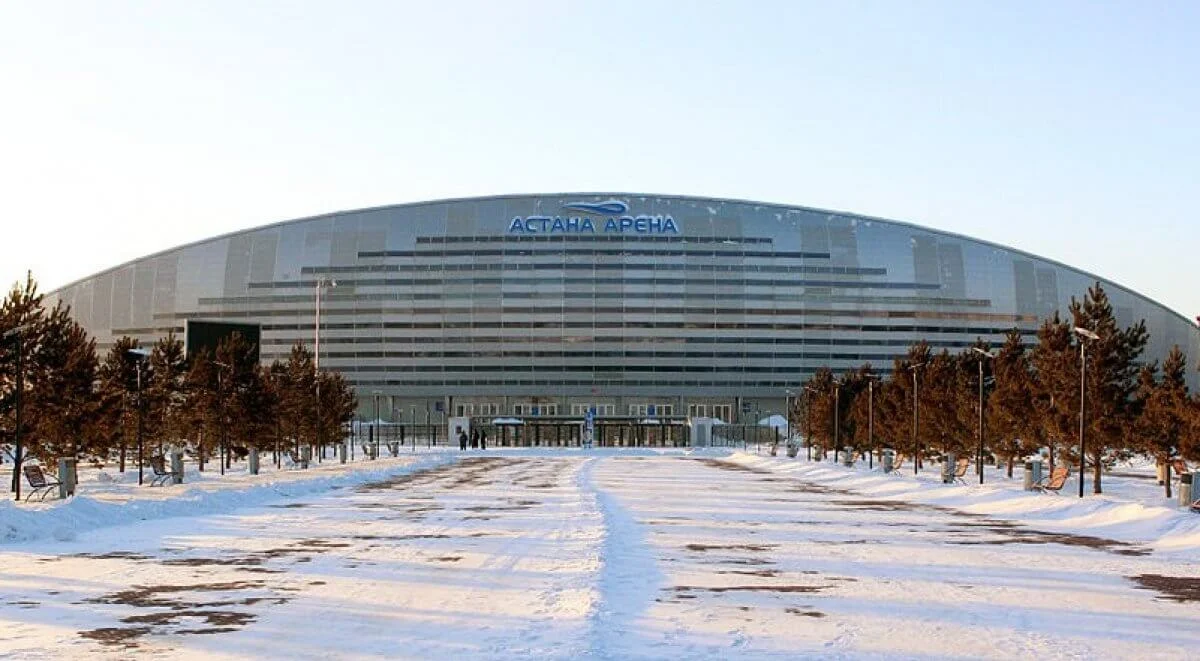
(609, 208)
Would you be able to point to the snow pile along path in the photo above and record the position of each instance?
(1150, 522)
(64, 520)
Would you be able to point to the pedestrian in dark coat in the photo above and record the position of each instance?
(462, 440)
(482, 440)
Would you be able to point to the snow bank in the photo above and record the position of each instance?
(65, 519)
(1150, 521)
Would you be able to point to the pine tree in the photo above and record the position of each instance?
(21, 309)
(62, 398)
(1009, 413)
(1055, 388)
(116, 424)
(1165, 411)
(203, 415)
(1111, 378)
(165, 398)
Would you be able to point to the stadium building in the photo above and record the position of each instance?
(635, 306)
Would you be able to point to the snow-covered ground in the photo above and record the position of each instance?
(612, 555)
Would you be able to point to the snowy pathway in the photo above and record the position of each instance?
(602, 557)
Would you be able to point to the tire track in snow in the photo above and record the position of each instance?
(629, 579)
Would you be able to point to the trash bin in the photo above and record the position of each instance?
(253, 461)
(948, 468)
(848, 457)
(792, 449)
(889, 461)
(342, 451)
(66, 477)
(1033, 474)
(177, 467)
(1185, 489)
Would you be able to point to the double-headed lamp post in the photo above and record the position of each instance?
(139, 355)
(916, 451)
(983, 355)
(1084, 335)
(18, 334)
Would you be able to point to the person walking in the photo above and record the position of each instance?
(462, 440)
(482, 439)
(474, 437)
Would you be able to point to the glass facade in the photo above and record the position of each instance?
(605, 299)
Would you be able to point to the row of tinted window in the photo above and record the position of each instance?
(517, 280)
(797, 376)
(909, 329)
(591, 266)
(727, 341)
(580, 238)
(334, 297)
(631, 251)
(565, 311)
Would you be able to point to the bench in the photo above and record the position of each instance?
(38, 482)
(161, 474)
(1055, 482)
(960, 469)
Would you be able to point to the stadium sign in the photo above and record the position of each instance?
(611, 217)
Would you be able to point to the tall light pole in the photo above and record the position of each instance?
(979, 454)
(18, 333)
(788, 406)
(222, 452)
(916, 451)
(807, 422)
(870, 422)
(140, 356)
(837, 426)
(1084, 334)
(322, 282)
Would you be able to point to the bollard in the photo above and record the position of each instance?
(1185, 489)
(66, 477)
(176, 467)
(253, 461)
(948, 468)
(889, 461)
(1033, 474)
(342, 451)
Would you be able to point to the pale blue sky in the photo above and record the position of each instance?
(1067, 129)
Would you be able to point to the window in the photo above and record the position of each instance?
(722, 412)
(697, 410)
(651, 410)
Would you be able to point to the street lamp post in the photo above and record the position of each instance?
(1084, 334)
(979, 454)
(788, 407)
(321, 283)
(18, 333)
(375, 425)
(870, 423)
(222, 441)
(837, 426)
(916, 450)
(140, 356)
